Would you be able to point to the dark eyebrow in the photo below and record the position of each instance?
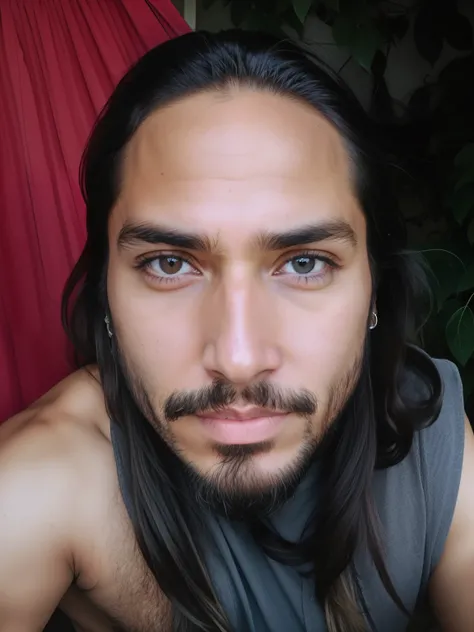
(134, 234)
(309, 234)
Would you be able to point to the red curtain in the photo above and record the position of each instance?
(59, 61)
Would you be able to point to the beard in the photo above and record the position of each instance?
(234, 487)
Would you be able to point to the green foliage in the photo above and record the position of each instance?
(460, 334)
(301, 8)
(432, 140)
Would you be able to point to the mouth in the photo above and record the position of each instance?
(242, 426)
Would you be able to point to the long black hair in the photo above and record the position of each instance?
(379, 423)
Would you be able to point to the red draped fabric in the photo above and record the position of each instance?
(59, 61)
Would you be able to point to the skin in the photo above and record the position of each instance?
(240, 312)
(219, 166)
(453, 579)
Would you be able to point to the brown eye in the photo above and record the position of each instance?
(167, 268)
(168, 265)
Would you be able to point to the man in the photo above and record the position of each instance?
(253, 444)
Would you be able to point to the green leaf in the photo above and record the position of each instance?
(452, 305)
(466, 282)
(462, 203)
(447, 268)
(464, 179)
(288, 18)
(434, 336)
(367, 41)
(301, 8)
(460, 334)
(332, 4)
(344, 30)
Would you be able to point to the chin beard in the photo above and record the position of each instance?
(237, 490)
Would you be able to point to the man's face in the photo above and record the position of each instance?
(239, 282)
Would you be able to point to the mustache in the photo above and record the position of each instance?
(220, 395)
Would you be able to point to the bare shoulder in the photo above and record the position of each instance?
(58, 436)
(452, 580)
(51, 458)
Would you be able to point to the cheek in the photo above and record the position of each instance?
(325, 341)
(156, 334)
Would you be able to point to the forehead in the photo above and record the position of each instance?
(242, 159)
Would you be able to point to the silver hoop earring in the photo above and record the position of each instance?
(107, 324)
(374, 321)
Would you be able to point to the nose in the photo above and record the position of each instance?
(241, 345)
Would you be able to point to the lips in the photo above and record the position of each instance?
(232, 426)
(242, 414)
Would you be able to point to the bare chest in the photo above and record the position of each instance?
(115, 592)
(90, 613)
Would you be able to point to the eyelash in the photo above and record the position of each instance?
(307, 279)
(145, 262)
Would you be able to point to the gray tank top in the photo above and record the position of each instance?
(415, 501)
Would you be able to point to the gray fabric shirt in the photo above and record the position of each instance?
(415, 501)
